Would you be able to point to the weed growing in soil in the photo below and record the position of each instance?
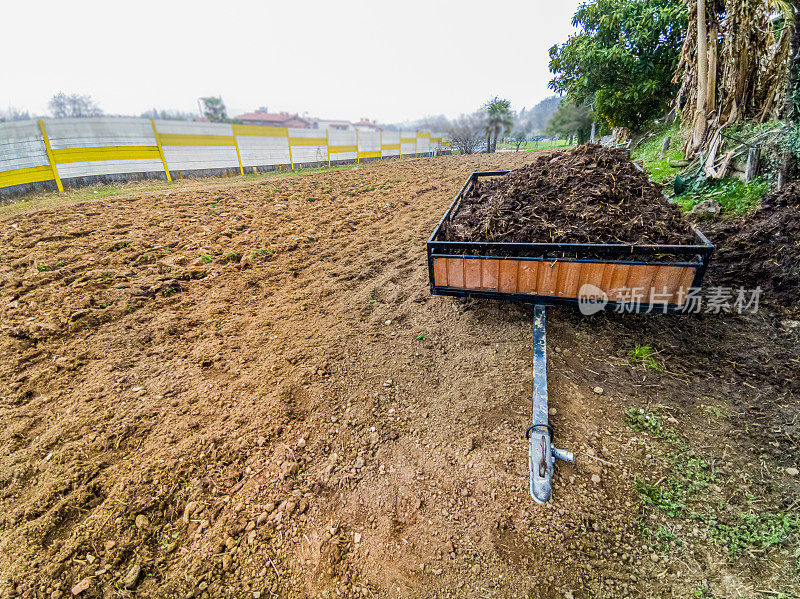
(684, 493)
(205, 258)
(674, 494)
(720, 412)
(644, 355)
(42, 267)
(748, 531)
(642, 420)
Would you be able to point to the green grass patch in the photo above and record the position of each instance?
(544, 144)
(649, 153)
(734, 196)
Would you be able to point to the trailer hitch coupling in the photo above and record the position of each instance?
(541, 452)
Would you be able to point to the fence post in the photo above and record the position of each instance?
(50, 156)
(751, 170)
(160, 150)
(358, 148)
(236, 145)
(289, 141)
(328, 146)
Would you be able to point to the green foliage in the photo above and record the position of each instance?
(748, 531)
(570, 119)
(205, 258)
(734, 196)
(673, 494)
(644, 355)
(649, 153)
(623, 58)
(703, 592)
(647, 421)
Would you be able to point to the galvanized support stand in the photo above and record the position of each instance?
(541, 452)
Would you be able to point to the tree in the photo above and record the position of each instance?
(167, 115)
(519, 137)
(467, 132)
(734, 66)
(571, 120)
(14, 114)
(622, 61)
(499, 119)
(214, 109)
(73, 106)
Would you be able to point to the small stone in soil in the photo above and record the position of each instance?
(132, 577)
(81, 586)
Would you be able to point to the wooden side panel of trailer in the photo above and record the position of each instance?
(654, 284)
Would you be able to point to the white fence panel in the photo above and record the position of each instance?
(341, 140)
(408, 147)
(191, 158)
(390, 138)
(97, 133)
(263, 151)
(109, 167)
(369, 141)
(21, 146)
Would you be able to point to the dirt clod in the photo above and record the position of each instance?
(132, 577)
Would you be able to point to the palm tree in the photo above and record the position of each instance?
(499, 118)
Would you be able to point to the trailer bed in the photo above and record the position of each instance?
(639, 278)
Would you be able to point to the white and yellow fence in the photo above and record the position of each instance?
(58, 153)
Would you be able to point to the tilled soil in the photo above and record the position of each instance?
(243, 388)
(761, 249)
(589, 194)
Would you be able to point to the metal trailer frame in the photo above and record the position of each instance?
(541, 451)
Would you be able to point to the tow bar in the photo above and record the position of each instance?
(541, 451)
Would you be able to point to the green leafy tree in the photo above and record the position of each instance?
(214, 109)
(570, 120)
(499, 120)
(623, 59)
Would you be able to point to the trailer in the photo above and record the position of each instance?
(591, 277)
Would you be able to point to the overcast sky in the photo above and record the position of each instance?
(389, 61)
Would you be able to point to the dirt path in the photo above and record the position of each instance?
(244, 388)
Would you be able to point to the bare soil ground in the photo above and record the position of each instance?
(242, 388)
